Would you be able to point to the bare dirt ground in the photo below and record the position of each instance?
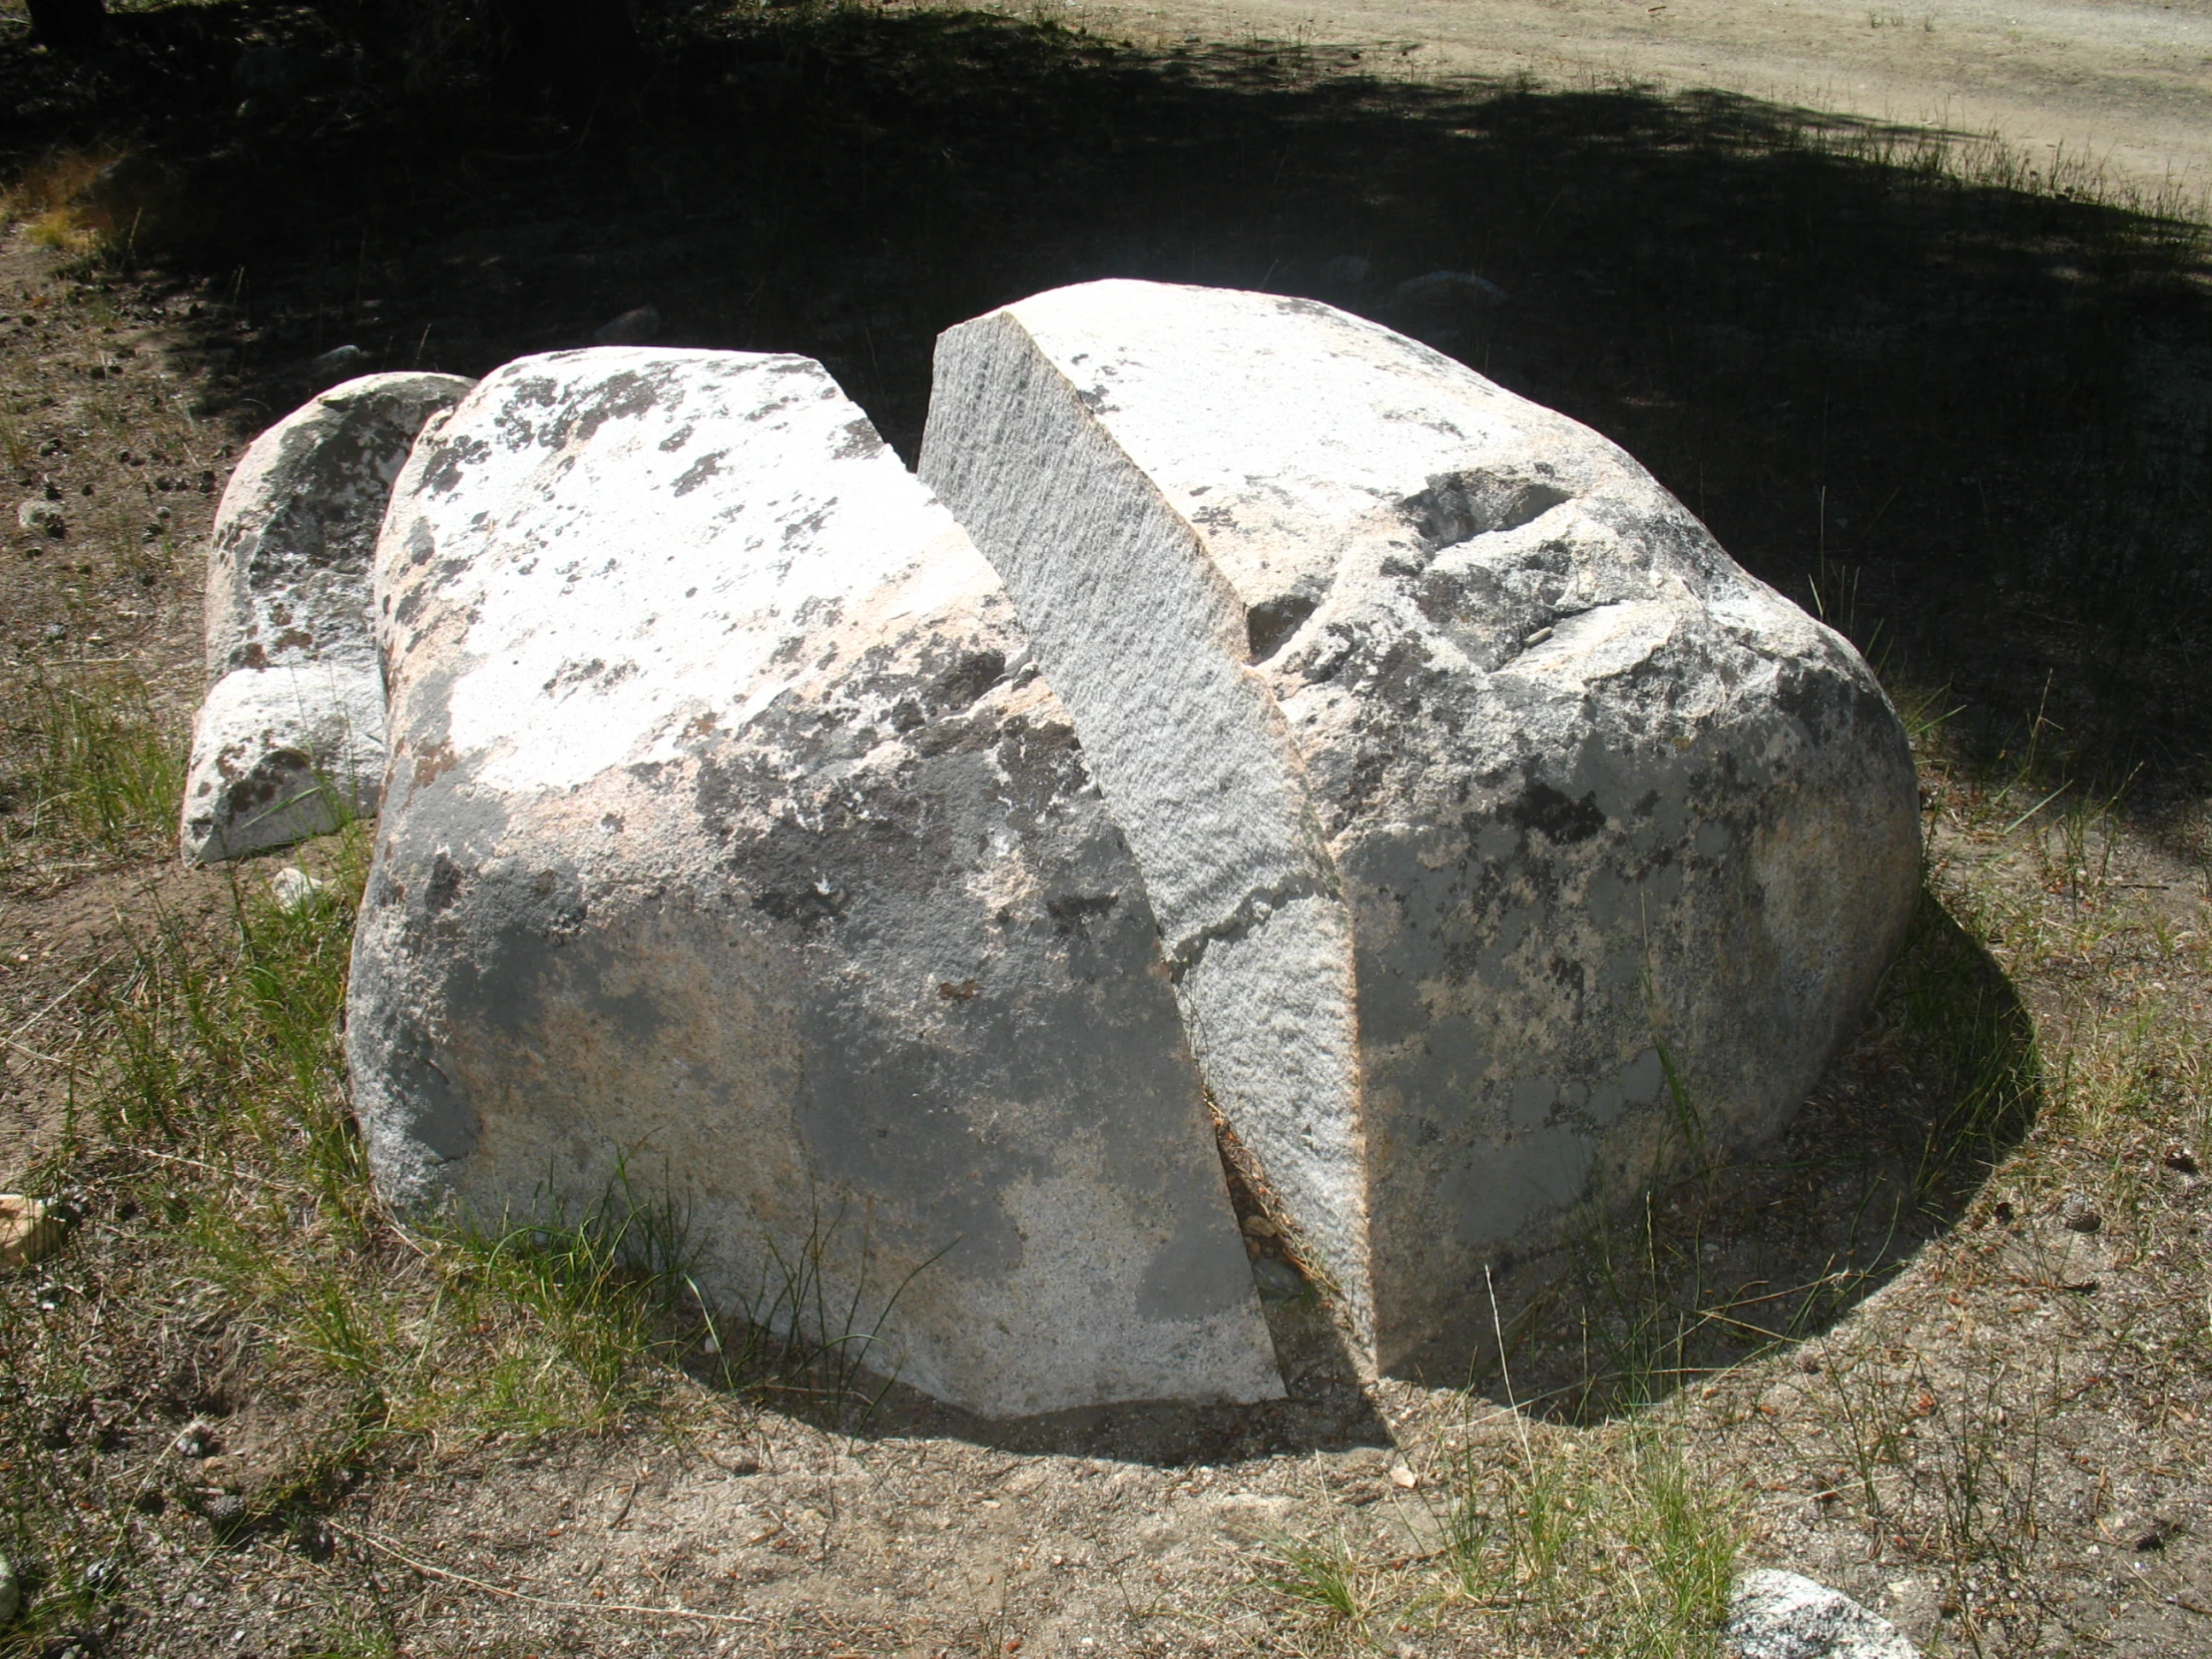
(1947, 1346)
(2124, 86)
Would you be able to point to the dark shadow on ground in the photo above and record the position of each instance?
(1976, 420)
(1970, 424)
(1775, 1244)
(1325, 1410)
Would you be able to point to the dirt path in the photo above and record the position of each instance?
(2123, 83)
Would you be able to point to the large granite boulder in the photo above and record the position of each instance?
(1510, 844)
(289, 742)
(733, 849)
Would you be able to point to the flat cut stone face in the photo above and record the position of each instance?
(734, 847)
(1510, 843)
(291, 739)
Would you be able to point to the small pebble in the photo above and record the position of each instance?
(2080, 1216)
(1276, 1280)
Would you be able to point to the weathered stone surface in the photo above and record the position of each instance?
(732, 844)
(1476, 787)
(1784, 1615)
(291, 738)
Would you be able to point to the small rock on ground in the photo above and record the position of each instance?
(42, 517)
(1784, 1615)
(1278, 1280)
(293, 889)
(28, 1233)
(1443, 286)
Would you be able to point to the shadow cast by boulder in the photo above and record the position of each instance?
(1326, 1411)
(1965, 418)
(1666, 1286)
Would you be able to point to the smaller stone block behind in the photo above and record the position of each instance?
(291, 739)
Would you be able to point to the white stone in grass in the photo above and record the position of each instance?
(1510, 844)
(289, 741)
(1782, 1615)
(11, 1592)
(293, 889)
(42, 517)
(734, 850)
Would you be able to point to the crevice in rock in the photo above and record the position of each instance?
(1256, 908)
(1270, 624)
(1460, 506)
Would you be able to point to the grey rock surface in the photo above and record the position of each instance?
(1784, 1615)
(733, 849)
(291, 738)
(1509, 843)
(640, 326)
(334, 363)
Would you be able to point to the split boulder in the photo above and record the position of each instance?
(1510, 844)
(289, 742)
(734, 850)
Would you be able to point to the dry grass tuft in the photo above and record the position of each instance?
(90, 777)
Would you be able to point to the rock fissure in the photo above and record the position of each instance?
(1252, 910)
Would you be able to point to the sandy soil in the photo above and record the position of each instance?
(2124, 84)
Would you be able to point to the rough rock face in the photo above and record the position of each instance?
(291, 739)
(1784, 1615)
(731, 846)
(1508, 841)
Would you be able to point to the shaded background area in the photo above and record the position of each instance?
(1970, 424)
